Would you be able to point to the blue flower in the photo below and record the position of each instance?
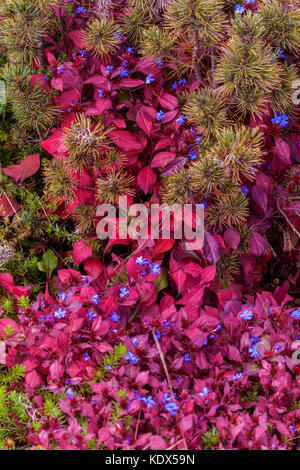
(149, 78)
(159, 62)
(80, 10)
(83, 52)
(100, 93)
(246, 314)
(60, 313)
(198, 139)
(61, 295)
(277, 347)
(149, 401)
(192, 154)
(125, 73)
(292, 428)
(108, 367)
(280, 54)
(115, 317)
(237, 376)
(205, 392)
(158, 334)
(60, 69)
(159, 116)
(91, 315)
(181, 120)
(96, 299)
(135, 342)
(253, 351)
(182, 81)
(187, 358)
(281, 119)
(296, 314)
(244, 189)
(109, 68)
(142, 261)
(254, 340)
(239, 8)
(130, 50)
(155, 269)
(172, 408)
(68, 382)
(174, 85)
(124, 292)
(131, 358)
(219, 327)
(166, 322)
(70, 394)
(87, 357)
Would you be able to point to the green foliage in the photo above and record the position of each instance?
(48, 263)
(12, 375)
(110, 360)
(210, 438)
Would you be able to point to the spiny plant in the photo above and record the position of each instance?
(208, 175)
(158, 43)
(227, 267)
(22, 29)
(247, 63)
(115, 184)
(203, 20)
(281, 24)
(177, 187)
(239, 151)
(229, 210)
(133, 22)
(84, 140)
(32, 105)
(59, 181)
(101, 38)
(206, 109)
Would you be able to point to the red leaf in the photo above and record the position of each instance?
(211, 248)
(126, 141)
(81, 251)
(161, 159)
(93, 267)
(33, 379)
(282, 150)
(146, 179)
(168, 101)
(8, 206)
(208, 273)
(76, 37)
(130, 82)
(144, 120)
(260, 197)
(257, 244)
(28, 167)
(232, 238)
(161, 246)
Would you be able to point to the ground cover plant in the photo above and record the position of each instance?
(125, 344)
